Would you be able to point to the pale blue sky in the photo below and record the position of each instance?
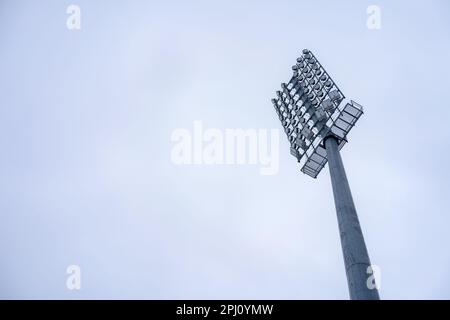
(86, 177)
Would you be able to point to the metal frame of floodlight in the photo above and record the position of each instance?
(347, 115)
(310, 108)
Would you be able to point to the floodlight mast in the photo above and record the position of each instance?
(316, 124)
(356, 257)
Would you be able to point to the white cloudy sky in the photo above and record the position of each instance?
(86, 177)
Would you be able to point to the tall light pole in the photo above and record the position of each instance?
(316, 121)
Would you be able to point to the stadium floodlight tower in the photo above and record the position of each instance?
(316, 121)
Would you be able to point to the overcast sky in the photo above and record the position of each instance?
(86, 118)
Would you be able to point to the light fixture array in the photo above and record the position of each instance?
(310, 108)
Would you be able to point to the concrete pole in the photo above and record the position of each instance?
(356, 258)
